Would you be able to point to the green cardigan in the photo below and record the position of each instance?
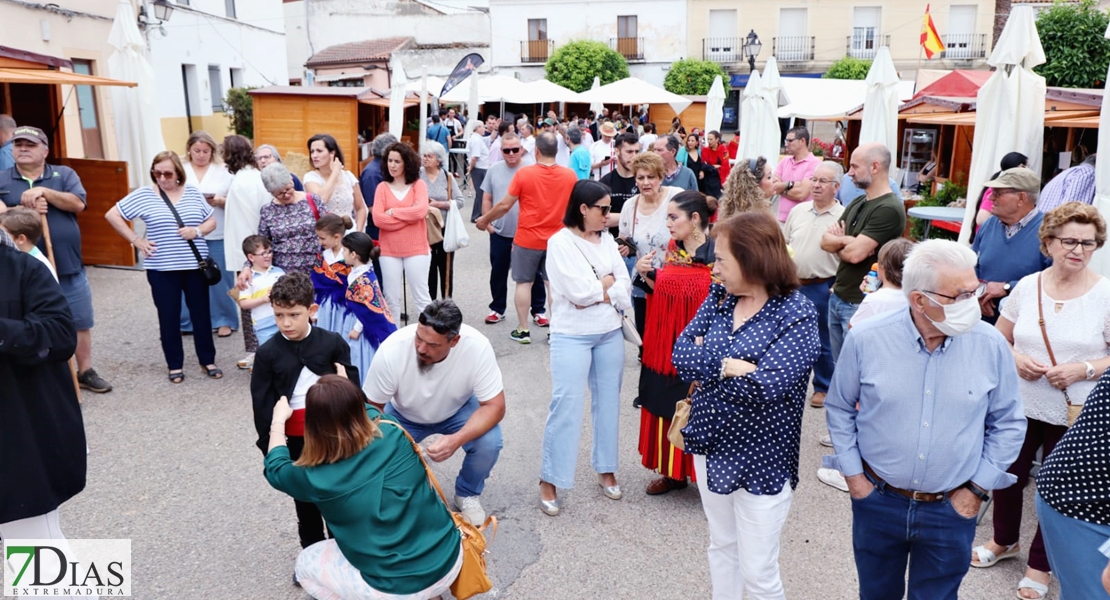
(386, 518)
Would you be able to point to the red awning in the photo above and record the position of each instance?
(962, 84)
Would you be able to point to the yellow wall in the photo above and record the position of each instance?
(830, 22)
(175, 130)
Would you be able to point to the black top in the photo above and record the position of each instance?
(42, 436)
(620, 190)
(1075, 478)
(278, 364)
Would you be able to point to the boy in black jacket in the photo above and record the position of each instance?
(286, 366)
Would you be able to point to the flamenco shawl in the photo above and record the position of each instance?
(680, 288)
(330, 281)
(364, 298)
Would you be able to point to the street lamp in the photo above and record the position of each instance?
(752, 46)
(155, 13)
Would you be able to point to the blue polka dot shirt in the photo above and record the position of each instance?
(749, 428)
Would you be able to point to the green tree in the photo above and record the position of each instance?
(240, 109)
(694, 77)
(575, 65)
(848, 68)
(1076, 51)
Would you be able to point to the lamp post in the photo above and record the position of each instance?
(153, 14)
(752, 46)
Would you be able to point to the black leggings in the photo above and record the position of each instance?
(441, 273)
(310, 523)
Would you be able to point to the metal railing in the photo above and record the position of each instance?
(629, 47)
(793, 48)
(536, 51)
(865, 43)
(722, 50)
(965, 45)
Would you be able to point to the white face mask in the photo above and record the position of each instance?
(959, 317)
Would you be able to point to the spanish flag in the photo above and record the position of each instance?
(930, 39)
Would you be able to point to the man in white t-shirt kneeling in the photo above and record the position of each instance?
(441, 377)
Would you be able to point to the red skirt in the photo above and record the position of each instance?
(657, 452)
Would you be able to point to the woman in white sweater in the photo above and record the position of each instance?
(589, 288)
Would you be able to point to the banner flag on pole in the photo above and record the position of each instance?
(466, 66)
(930, 39)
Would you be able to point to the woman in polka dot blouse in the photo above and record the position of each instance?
(752, 346)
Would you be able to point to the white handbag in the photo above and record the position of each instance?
(454, 230)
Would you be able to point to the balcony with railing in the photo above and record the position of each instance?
(965, 46)
(722, 50)
(793, 48)
(629, 47)
(536, 51)
(864, 43)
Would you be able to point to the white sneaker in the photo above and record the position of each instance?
(471, 509)
(246, 362)
(832, 477)
(827, 441)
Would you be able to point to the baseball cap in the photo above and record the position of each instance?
(31, 134)
(548, 121)
(1018, 178)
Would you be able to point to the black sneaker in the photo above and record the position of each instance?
(89, 380)
(521, 335)
(636, 402)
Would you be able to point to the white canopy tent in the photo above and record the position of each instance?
(1009, 113)
(759, 126)
(633, 91)
(715, 105)
(491, 88)
(435, 84)
(138, 126)
(398, 86)
(596, 106)
(542, 90)
(880, 106)
(810, 98)
(1100, 262)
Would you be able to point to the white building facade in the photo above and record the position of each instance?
(206, 48)
(650, 34)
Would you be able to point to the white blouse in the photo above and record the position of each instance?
(216, 181)
(342, 201)
(574, 283)
(649, 232)
(1079, 332)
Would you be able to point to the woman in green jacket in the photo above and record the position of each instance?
(392, 536)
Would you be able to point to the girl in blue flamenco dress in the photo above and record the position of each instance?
(367, 320)
(329, 276)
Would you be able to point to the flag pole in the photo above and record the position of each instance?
(50, 256)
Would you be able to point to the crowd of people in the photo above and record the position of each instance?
(943, 370)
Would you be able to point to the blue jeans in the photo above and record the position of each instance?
(818, 294)
(840, 312)
(1072, 547)
(500, 260)
(224, 310)
(481, 453)
(578, 360)
(888, 530)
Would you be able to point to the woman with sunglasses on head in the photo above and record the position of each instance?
(750, 186)
(171, 267)
(589, 289)
(1058, 362)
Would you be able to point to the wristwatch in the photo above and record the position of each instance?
(724, 364)
(1006, 288)
(978, 491)
(1090, 370)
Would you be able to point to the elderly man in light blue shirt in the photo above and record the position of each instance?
(925, 418)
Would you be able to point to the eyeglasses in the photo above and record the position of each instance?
(822, 181)
(964, 296)
(263, 253)
(1071, 243)
(605, 208)
(788, 140)
(164, 174)
(510, 150)
(264, 157)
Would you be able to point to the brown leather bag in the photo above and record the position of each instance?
(680, 418)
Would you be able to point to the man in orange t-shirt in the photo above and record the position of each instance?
(543, 190)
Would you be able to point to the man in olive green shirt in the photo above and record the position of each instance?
(869, 222)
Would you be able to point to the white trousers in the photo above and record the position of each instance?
(325, 574)
(399, 272)
(41, 527)
(744, 531)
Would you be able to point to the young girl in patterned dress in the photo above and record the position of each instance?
(366, 318)
(329, 277)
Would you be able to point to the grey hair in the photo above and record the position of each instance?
(833, 166)
(436, 148)
(275, 177)
(7, 123)
(274, 151)
(574, 135)
(381, 144)
(928, 258)
(1090, 160)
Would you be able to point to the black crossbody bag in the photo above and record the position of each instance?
(208, 267)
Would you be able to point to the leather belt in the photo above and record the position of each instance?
(912, 495)
(815, 280)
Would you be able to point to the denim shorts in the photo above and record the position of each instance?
(76, 289)
(526, 262)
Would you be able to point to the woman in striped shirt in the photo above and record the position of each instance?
(171, 267)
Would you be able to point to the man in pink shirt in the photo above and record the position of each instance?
(792, 176)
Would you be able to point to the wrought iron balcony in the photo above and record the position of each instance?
(723, 50)
(865, 43)
(629, 47)
(793, 48)
(965, 46)
(536, 51)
